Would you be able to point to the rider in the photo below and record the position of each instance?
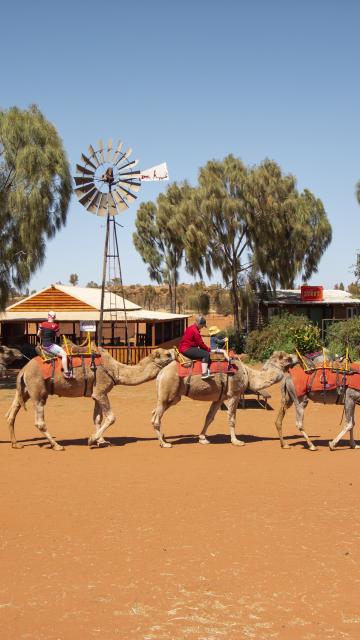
(48, 331)
(192, 346)
(218, 341)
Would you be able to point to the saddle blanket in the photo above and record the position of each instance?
(47, 367)
(324, 380)
(215, 367)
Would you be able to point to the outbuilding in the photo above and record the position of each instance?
(78, 308)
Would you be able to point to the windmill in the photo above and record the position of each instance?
(106, 185)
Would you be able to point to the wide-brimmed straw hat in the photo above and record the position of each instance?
(213, 331)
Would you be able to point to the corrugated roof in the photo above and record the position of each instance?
(330, 296)
(89, 296)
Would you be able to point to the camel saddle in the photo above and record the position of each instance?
(50, 368)
(324, 379)
(194, 368)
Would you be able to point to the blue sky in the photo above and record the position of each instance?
(185, 82)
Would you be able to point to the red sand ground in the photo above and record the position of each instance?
(194, 542)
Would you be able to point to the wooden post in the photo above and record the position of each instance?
(162, 332)
(153, 334)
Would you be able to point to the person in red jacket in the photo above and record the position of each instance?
(48, 332)
(192, 346)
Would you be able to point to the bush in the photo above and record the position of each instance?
(342, 334)
(283, 332)
(236, 341)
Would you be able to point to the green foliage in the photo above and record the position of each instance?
(236, 340)
(283, 332)
(229, 212)
(354, 289)
(35, 189)
(159, 237)
(342, 334)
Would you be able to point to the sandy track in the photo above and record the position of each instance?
(195, 542)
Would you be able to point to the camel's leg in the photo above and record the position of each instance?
(232, 404)
(105, 410)
(300, 408)
(286, 403)
(214, 407)
(41, 425)
(349, 425)
(157, 414)
(11, 417)
(97, 419)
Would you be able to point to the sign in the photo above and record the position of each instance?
(88, 326)
(160, 172)
(312, 294)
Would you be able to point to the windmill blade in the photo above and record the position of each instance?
(109, 147)
(88, 196)
(93, 206)
(134, 186)
(127, 194)
(129, 175)
(87, 161)
(101, 151)
(80, 180)
(91, 201)
(133, 163)
(124, 156)
(80, 191)
(117, 152)
(121, 204)
(92, 153)
(81, 169)
(103, 209)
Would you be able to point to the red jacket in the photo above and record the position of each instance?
(192, 338)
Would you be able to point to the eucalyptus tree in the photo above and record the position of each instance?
(35, 190)
(160, 235)
(253, 221)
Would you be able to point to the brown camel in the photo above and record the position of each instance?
(170, 388)
(289, 397)
(31, 384)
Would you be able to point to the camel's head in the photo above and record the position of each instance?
(9, 354)
(162, 357)
(280, 359)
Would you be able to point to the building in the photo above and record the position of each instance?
(321, 306)
(78, 308)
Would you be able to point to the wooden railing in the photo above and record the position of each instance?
(133, 355)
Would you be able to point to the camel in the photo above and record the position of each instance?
(289, 397)
(31, 384)
(7, 356)
(220, 389)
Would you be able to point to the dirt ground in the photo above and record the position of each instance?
(194, 542)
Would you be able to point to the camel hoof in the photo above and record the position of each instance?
(332, 446)
(58, 447)
(165, 445)
(203, 440)
(285, 446)
(238, 443)
(313, 448)
(356, 446)
(17, 445)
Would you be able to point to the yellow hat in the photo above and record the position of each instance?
(213, 330)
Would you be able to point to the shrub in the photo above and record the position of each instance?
(342, 334)
(284, 332)
(236, 341)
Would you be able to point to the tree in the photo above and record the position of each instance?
(35, 189)
(149, 296)
(160, 235)
(93, 285)
(250, 221)
(74, 279)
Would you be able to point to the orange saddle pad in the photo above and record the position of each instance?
(215, 367)
(47, 367)
(320, 380)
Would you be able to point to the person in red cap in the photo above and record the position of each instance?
(48, 332)
(192, 346)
